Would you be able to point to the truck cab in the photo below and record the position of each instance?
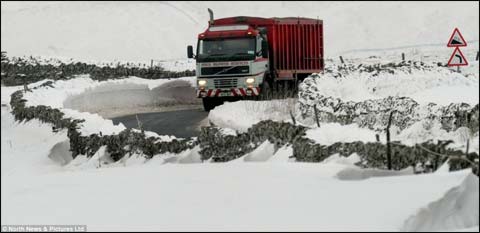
(232, 61)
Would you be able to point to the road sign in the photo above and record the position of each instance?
(456, 39)
(457, 58)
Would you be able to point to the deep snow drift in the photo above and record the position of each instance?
(75, 98)
(241, 195)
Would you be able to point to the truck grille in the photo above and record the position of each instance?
(234, 70)
(225, 83)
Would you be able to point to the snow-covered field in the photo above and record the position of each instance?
(114, 31)
(240, 195)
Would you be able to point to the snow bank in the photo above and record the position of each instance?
(114, 99)
(163, 193)
(25, 147)
(282, 155)
(261, 154)
(82, 97)
(215, 197)
(63, 89)
(241, 115)
(423, 84)
(457, 209)
(354, 173)
(329, 133)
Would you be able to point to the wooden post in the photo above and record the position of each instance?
(377, 137)
(316, 115)
(403, 56)
(341, 59)
(151, 63)
(389, 151)
(293, 118)
(468, 145)
(139, 123)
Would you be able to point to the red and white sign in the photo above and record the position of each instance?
(456, 39)
(457, 58)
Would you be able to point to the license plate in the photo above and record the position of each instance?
(225, 93)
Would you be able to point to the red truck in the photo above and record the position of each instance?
(251, 56)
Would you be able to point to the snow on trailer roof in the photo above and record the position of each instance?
(265, 21)
(228, 28)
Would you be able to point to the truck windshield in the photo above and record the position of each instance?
(231, 48)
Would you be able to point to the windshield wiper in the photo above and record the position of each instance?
(216, 54)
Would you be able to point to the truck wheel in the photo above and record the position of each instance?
(265, 92)
(208, 104)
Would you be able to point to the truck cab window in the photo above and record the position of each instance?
(258, 51)
(232, 48)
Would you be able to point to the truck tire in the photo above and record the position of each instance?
(209, 104)
(265, 91)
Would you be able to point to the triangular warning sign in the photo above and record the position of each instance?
(456, 39)
(457, 58)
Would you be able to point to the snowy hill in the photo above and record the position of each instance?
(139, 31)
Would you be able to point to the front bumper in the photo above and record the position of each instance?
(214, 88)
(224, 92)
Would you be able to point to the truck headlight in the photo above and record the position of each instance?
(250, 80)
(202, 82)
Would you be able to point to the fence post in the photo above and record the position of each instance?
(293, 118)
(341, 59)
(389, 152)
(316, 115)
(403, 56)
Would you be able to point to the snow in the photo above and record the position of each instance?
(264, 190)
(23, 145)
(330, 133)
(437, 216)
(114, 31)
(261, 154)
(189, 197)
(283, 155)
(81, 97)
(434, 85)
(168, 195)
(241, 115)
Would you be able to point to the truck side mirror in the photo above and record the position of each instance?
(264, 49)
(190, 51)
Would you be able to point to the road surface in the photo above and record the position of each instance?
(181, 123)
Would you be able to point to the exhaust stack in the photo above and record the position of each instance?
(210, 12)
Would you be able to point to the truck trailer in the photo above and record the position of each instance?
(247, 57)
